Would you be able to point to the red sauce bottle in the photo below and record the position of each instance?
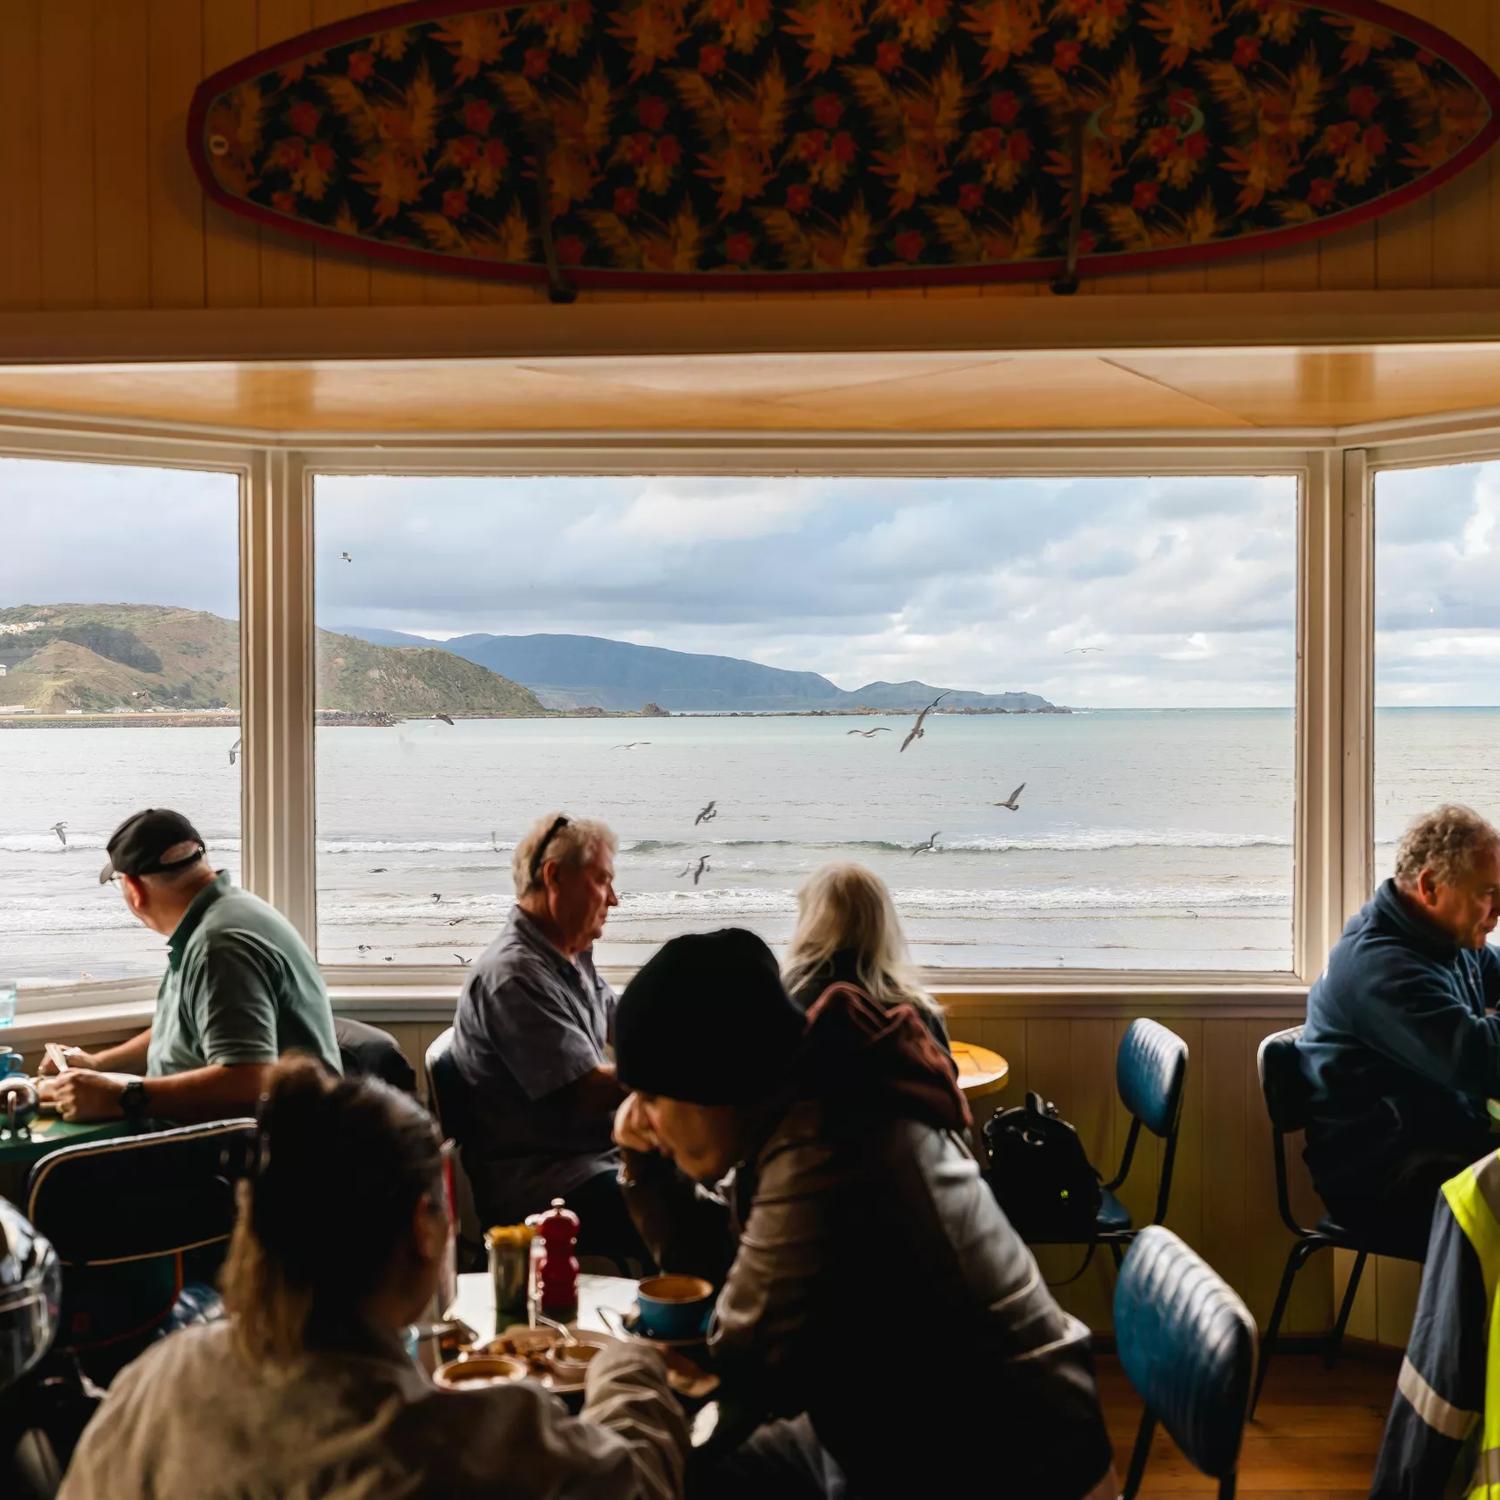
(558, 1290)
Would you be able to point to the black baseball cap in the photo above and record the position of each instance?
(154, 842)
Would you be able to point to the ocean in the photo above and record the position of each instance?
(1157, 839)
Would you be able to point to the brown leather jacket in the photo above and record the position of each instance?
(870, 1279)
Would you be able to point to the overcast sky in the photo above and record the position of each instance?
(1185, 586)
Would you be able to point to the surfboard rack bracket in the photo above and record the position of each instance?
(1065, 283)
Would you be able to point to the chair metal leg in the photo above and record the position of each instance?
(1118, 1251)
(1295, 1260)
(1336, 1338)
(1138, 1457)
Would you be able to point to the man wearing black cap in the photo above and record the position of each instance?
(240, 990)
(874, 1299)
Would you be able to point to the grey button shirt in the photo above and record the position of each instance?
(529, 1023)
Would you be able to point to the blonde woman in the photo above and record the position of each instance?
(848, 933)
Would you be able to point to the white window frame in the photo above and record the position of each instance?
(1334, 649)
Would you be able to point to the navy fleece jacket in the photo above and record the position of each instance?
(1400, 1048)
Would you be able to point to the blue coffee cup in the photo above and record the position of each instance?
(10, 1061)
(674, 1307)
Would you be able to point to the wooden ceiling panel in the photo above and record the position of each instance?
(925, 393)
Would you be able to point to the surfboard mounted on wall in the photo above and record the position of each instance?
(752, 144)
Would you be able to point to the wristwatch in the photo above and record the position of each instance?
(133, 1099)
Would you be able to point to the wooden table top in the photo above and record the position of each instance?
(980, 1071)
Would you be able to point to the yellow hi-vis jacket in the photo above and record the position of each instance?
(1442, 1440)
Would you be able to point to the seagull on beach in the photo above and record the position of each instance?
(708, 814)
(916, 729)
(930, 847)
(390, 958)
(866, 733)
(378, 869)
(1010, 801)
(57, 828)
(698, 873)
(234, 750)
(495, 843)
(436, 897)
(630, 745)
(443, 717)
(363, 948)
(454, 921)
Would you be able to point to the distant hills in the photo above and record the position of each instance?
(579, 671)
(100, 657)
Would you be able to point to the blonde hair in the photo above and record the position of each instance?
(845, 906)
(575, 843)
(1444, 841)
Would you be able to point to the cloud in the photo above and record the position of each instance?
(1187, 584)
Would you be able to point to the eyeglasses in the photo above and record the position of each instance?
(541, 848)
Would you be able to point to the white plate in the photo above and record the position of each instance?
(543, 1338)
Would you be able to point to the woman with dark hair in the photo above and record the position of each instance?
(306, 1388)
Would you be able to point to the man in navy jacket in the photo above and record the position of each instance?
(1401, 1047)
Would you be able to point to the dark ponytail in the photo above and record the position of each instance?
(340, 1166)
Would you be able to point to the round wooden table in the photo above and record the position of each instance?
(980, 1071)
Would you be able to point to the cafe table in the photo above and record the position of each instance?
(980, 1071)
(19, 1153)
(597, 1295)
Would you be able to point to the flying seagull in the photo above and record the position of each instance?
(436, 897)
(57, 828)
(363, 948)
(443, 717)
(698, 873)
(1081, 650)
(630, 745)
(464, 961)
(930, 847)
(708, 814)
(378, 869)
(345, 556)
(916, 729)
(868, 732)
(1010, 801)
(234, 750)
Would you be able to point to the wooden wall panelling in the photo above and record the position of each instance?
(287, 266)
(1292, 270)
(1460, 209)
(1491, 225)
(1185, 1209)
(20, 156)
(1225, 1221)
(231, 245)
(175, 204)
(121, 155)
(1403, 240)
(67, 154)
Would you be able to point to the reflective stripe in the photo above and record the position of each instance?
(1442, 1416)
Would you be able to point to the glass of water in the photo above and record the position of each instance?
(7, 1001)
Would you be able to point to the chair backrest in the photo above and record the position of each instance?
(1282, 1080)
(137, 1197)
(1188, 1345)
(1150, 1069)
(367, 1050)
(445, 1089)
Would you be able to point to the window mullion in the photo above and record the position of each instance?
(278, 693)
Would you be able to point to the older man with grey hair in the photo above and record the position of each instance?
(1401, 1046)
(530, 1042)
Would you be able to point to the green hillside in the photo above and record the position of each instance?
(98, 657)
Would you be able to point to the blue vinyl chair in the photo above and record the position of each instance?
(445, 1098)
(1284, 1085)
(1150, 1074)
(1187, 1344)
(139, 1223)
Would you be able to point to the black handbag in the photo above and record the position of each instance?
(1041, 1175)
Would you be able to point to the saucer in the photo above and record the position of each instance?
(631, 1323)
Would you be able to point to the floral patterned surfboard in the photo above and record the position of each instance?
(747, 144)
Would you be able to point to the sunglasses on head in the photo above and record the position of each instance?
(541, 848)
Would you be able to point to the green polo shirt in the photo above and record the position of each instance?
(240, 987)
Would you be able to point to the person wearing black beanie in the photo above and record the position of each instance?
(815, 1168)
